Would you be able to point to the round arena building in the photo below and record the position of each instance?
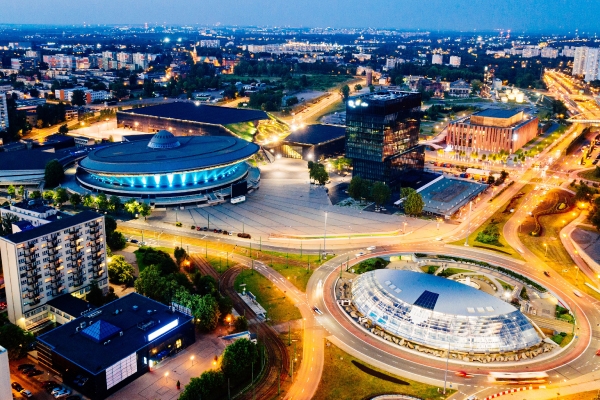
(440, 313)
(170, 169)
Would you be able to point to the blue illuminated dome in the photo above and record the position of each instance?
(164, 140)
(167, 166)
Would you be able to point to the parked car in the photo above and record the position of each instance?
(56, 390)
(34, 372)
(26, 393)
(134, 240)
(371, 248)
(3, 305)
(547, 274)
(63, 394)
(198, 228)
(317, 311)
(25, 366)
(244, 235)
(16, 386)
(225, 233)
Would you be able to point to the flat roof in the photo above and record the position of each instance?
(439, 294)
(186, 111)
(37, 207)
(52, 227)
(194, 152)
(89, 351)
(498, 113)
(315, 134)
(34, 159)
(71, 305)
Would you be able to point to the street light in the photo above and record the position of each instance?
(192, 358)
(546, 246)
(166, 377)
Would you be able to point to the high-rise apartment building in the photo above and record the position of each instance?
(44, 262)
(5, 388)
(382, 134)
(437, 59)
(455, 61)
(587, 63)
(3, 112)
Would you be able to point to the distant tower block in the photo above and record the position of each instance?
(369, 77)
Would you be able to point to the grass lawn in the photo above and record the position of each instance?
(505, 285)
(589, 175)
(279, 307)
(499, 217)
(294, 267)
(343, 379)
(453, 271)
(591, 395)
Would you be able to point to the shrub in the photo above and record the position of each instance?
(178, 223)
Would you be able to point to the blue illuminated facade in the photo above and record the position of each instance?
(167, 166)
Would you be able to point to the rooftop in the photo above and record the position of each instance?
(199, 113)
(71, 305)
(438, 294)
(193, 153)
(52, 227)
(36, 207)
(34, 159)
(498, 113)
(99, 344)
(315, 134)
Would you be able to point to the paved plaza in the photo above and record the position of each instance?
(287, 204)
(161, 382)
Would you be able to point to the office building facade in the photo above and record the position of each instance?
(382, 133)
(44, 262)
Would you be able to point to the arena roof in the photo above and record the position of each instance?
(194, 152)
(439, 294)
(199, 113)
(315, 134)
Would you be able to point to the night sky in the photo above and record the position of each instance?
(456, 15)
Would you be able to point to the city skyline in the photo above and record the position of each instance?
(438, 15)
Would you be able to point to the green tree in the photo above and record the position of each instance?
(114, 204)
(358, 87)
(48, 195)
(102, 202)
(120, 271)
(345, 92)
(88, 200)
(63, 129)
(380, 193)
(60, 196)
(597, 172)
(151, 283)
(238, 358)
(180, 255)
(584, 192)
(116, 241)
(240, 324)
(54, 173)
(36, 194)
(131, 206)
(6, 223)
(210, 385)
(11, 191)
(145, 210)
(208, 313)
(97, 298)
(78, 98)
(75, 200)
(354, 189)
(225, 306)
(21, 191)
(413, 205)
(205, 284)
(15, 340)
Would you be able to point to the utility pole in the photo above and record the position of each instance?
(325, 234)
(208, 218)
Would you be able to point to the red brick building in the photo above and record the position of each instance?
(492, 130)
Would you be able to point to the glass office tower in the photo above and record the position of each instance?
(382, 133)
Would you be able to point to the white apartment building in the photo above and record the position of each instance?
(5, 388)
(455, 61)
(568, 51)
(215, 43)
(89, 95)
(586, 63)
(549, 52)
(60, 61)
(437, 59)
(3, 112)
(44, 262)
(530, 51)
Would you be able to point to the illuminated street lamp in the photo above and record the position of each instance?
(546, 246)
(166, 377)
(192, 358)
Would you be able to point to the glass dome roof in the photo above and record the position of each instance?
(163, 140)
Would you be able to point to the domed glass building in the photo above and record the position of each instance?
(169, 167)
(441, 313)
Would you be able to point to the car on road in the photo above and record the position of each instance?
(16, 386)
(198, 228)
(359, 254)
(577, 293)
(598, 352)
(547, 274)
(317, 311)
(62, 394)
(57, 389)
(134, 240)
(463, 374)
(371, 248)
(26, 393)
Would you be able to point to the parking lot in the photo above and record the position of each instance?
(34, 383)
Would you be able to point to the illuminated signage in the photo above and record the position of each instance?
(163, 330)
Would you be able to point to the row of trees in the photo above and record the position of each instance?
(377, 192)
(317, 172)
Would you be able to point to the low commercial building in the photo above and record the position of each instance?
(313, 142)
(459, 88)
(492, 130)
(107, 348)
